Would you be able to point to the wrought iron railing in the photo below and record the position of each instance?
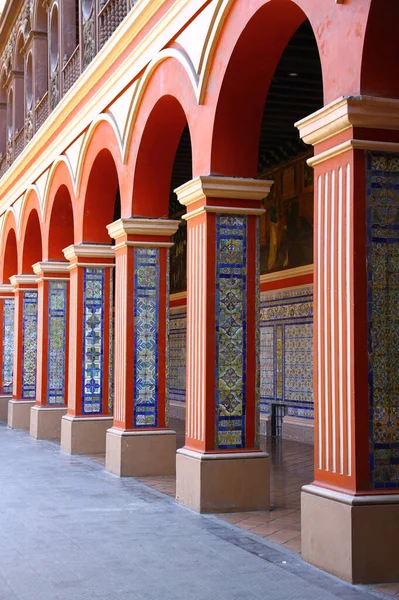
(41, 111)
(19, 142)
(110, 17)
(71, 70)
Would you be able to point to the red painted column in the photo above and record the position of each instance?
(52, 363)
(25, 351)
(220, 467)
(354, 501)
(90, 364)
(6, 347)
(140, 442)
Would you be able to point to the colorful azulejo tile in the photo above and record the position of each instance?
(286, 351)
(57, 330)
(177, 354)
(146, 326)
(231, 334)
(29, 344)
(93, 340)
(7, 345)
(383, 317)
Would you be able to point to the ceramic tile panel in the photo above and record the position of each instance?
(383, 316)
(111, 366)
(177, 354)
(7, 345)
(57, 331)
(231, 339)
(93, 340)
(29, 344)
(146, 329)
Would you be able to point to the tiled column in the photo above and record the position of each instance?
(221, 467)
(350, 513)
(140, 442)
(6, 347)
(52, 368)
(90, 365)
(25, 351)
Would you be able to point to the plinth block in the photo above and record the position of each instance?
(141, 453)
(19, 413)
(4, 400)
(45, 422)
(230, 482)
(84, 435)
(353, 537)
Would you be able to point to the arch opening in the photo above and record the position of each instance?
(10, 257)
(32, 244)
(61, 228)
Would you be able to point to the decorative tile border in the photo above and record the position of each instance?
(57, 331)
(29, 344)
(177, 354)
(383, 317)
(93, 340)
(111, 370)
(146, 325)
(8, 345)
(231, 280)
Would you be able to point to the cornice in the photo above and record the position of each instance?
(154, 227)
(371, 145)
(347, 112)
(19, 280)
(287, 274)
(50, 267)
(212, 186)
(32, 164)
(6, 288)
(74, 252)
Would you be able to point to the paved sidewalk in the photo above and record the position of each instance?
(71, 531)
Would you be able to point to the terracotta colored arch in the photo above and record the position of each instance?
(167, 105)
(102, 173)
(155, 158)
(381, 51)
(60, 229)
(9, 249)
(31, 235)
(60, 179)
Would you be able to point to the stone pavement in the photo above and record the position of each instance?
(71, 531)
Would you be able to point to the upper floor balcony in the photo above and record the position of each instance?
(44, 48)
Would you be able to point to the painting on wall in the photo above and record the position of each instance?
(287, 225)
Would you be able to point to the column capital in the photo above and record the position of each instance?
(6, 289)
(124, 228)
(348, 112)
(197, 190)
(23, 282)
(81, 254)
(50, 269)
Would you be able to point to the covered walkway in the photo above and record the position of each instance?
(70, 530)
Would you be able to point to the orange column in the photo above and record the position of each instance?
(354, 501)
(6, 347)
(52, 367)
(90, 364)
(25, 350)
(140, 442)
(221, 467)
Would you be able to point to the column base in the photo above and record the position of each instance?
(19, 413)
(84, 435)
(353, 537)
(4, 400)
(45, 422)
(223, 482)
(140, 453)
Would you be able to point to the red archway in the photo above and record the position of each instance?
(61, 225)
(31, 242)
(9, 266)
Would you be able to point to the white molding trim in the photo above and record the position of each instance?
(177, 296)
(50, 267)
(88, 251)
(287, 274)
(154, 227)
(6, 288)
(18, 280)
(343, 498)
(353, 145)
(347, 112)
(212, 186)
(255, 454)
(143, 245)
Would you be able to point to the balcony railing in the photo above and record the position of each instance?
(42, 111)
(19, 142)
(71, 70)
(110, 17)
(97, 29)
